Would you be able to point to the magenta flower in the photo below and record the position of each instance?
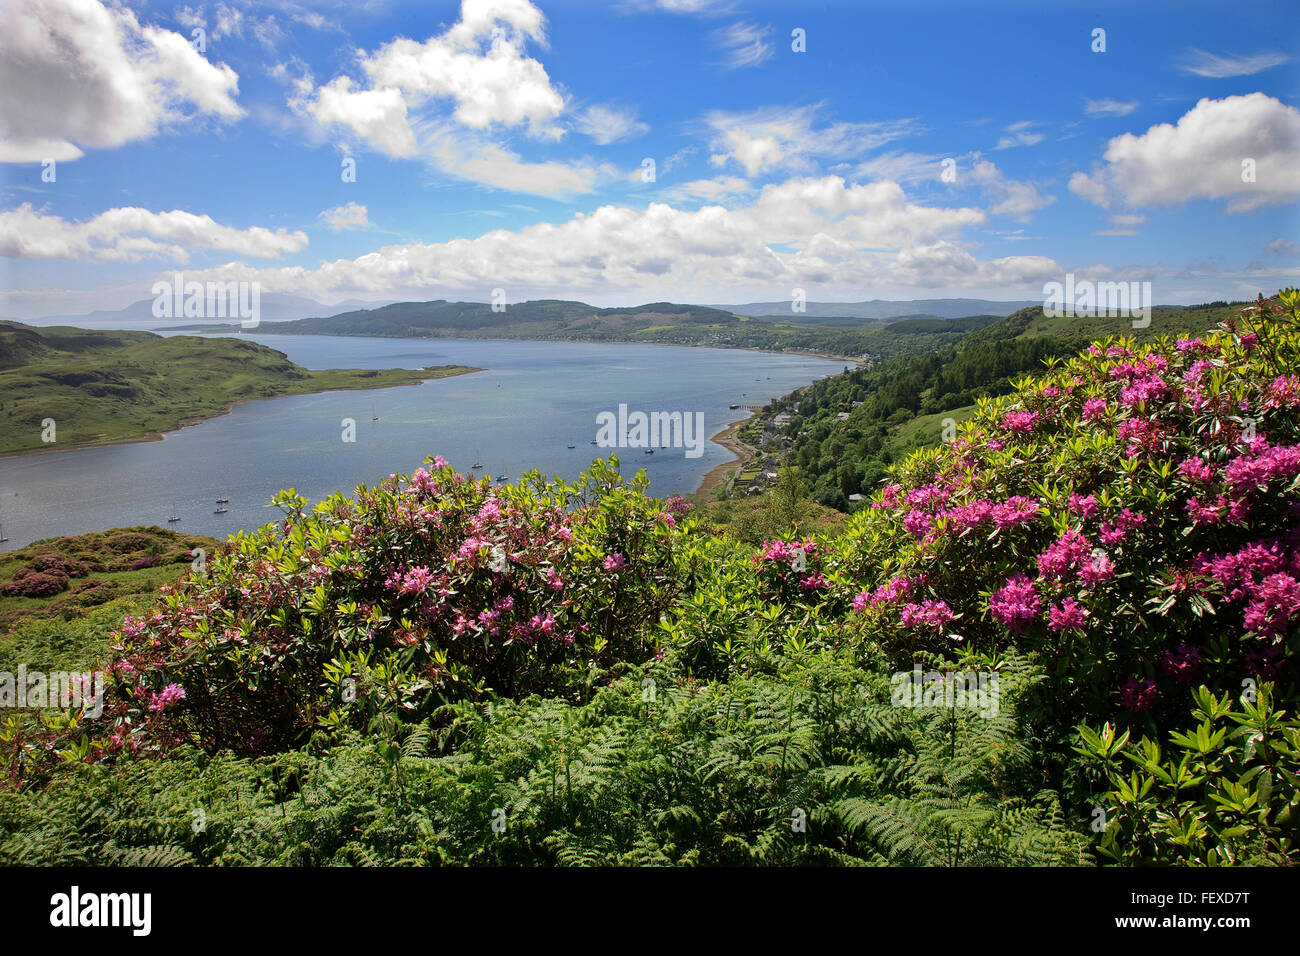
(1069, 615)
(170, 694)
(1083, 506)
(1094, 408)
(1182, 662)
(1068, 551)
(1020, 422)
(1138, 695)
(1016, 510)
(928, 615)
(1016, 603)
(615, 561)
(1097, 571)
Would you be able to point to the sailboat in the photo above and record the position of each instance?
(3, 539)
(376, 415)
(223, 501)
(220, 511)
(174, 516)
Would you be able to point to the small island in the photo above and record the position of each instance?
(104, 386)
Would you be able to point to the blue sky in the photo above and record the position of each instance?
(504, 144)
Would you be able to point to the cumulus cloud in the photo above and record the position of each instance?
(130, 233)
(606, 124)
(350, 216)
(816, 230)
(1202, 157)
(743, 45)
(770, 138)
(442, 101)
(1218, 67)
(1283, 247)
(75, 73)
(477, 67)
(1108, 107)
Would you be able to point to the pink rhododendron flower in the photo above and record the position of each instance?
(928, 615)
(1016, 603)
(1020, 422)
(1068, 551)
(1093, 409)
(1138, 695)
(1084, 507)
(170, 694)
(1016, 510)
(1196, 469)
(1097, 570)
(1182, 662)
(615, 561)
(1069, 615)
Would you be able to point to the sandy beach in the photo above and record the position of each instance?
(728, 440)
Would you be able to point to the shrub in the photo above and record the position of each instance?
(1228, 793)
(36, 584)
(410, 595)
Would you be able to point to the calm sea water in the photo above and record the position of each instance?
(532, 400)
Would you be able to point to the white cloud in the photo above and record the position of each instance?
(442, 100)
(902, 167)
(377, 116)
(496, 166)
(743, 45)
(816, 231)
(1009, 197)
(1202, 158)
(769, 138)
(1108, 107)
(709, 190)
(477, 66)
(1283, 247)
(350, 216)
(1123, 224)
(606, 124)
(1019, 134)
(76, 73)
(129, 233)
(1219, 67)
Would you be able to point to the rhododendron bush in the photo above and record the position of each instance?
(412, 594)
(1131, 516)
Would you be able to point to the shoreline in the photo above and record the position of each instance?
(199, 419)
(719, 474)
(859, 362)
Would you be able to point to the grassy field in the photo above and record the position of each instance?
(105, 386)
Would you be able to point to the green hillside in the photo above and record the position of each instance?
(660, 322)
(843, 456)
(102, 386)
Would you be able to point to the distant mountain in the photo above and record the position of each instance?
(275, 306)
(542, 318)
(665, 323)
(880, 309)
